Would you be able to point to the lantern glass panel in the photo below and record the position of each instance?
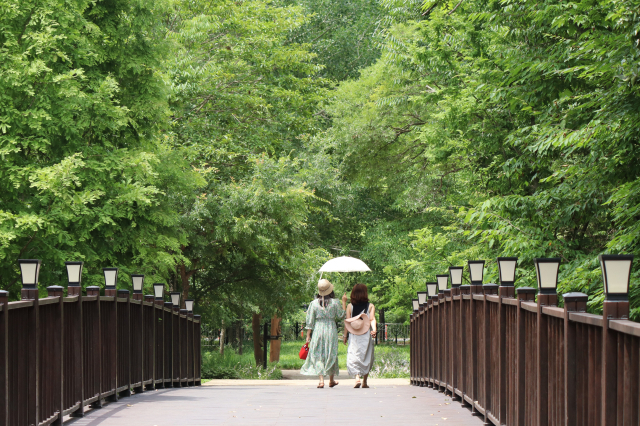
(547, 274)
(74, 272)
(175, 298)
(432, 289)
(110, 277)
(158, 290)
(188, 303)
(476, 270)
(29, 271)
(422, 297)
(507, 267)
(456, 275)
(416, 306)
(137, 281)
(443, 281)
(615, 273)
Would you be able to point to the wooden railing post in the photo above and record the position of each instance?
(168, 344)
(447, 332)
(611, 310)
(124, 294)
(77, 376)
(197, 341)
(412, 356)
(465, 290)
(504, 292)
(159, 343)
(431, 341)
(525, 294)
(489, 290)
(95, 291)
(34, 356)
(542, 347)
(456, 342)
(473, 391)
(150, 357)
(422, 352)
(573, 302)
(4, 357)
(177, 350)
(56, 354)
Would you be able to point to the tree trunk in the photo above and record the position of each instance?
(276, 328)
(184, 277)
(239, 337)
(257, 338)
(222, 339)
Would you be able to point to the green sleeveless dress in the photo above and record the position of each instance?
(322, 359)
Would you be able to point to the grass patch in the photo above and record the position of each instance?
(391, 361)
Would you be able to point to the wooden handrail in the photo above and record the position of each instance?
(98, 348)
(519, 361)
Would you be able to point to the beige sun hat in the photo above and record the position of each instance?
(359, 324)
(324, 287)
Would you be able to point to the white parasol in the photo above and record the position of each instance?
(345, 264)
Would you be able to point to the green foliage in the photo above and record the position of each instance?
(501, 128)
(82, 108)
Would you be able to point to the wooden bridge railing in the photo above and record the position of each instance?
(59, 354)
(520, 362)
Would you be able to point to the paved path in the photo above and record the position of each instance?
(298, 403)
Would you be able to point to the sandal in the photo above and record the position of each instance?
(357, 385)
(332, 384)
(321, 386)
(365, 386)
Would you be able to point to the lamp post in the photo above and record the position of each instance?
(138, 283)
(158, 294)
(110, 281)
(507, 275)
(616, 274)
(29, 272)
(476, 274)
(547, 276)
(74, 277)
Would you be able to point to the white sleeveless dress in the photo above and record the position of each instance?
(360, 353)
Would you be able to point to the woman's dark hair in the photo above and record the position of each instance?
(359, 294)
(326, 298)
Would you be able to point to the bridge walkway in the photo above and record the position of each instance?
(283, 402)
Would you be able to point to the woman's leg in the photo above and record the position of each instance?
(321, 383)
(364, 381)
(357, 385)
(332, 382)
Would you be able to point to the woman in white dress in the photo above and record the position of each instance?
(360, 330)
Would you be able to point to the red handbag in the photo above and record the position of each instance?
(304, 351)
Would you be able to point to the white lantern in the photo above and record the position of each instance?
(443, 281)
(616, 274)
(547, 274)
(476, 271)
(456, 275)
(29, 272)
(110, 278)
(507, 269)
(74, 273)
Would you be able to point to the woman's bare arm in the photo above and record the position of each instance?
(374, 324)
(346, 333)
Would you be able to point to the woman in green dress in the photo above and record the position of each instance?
(322, 334)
